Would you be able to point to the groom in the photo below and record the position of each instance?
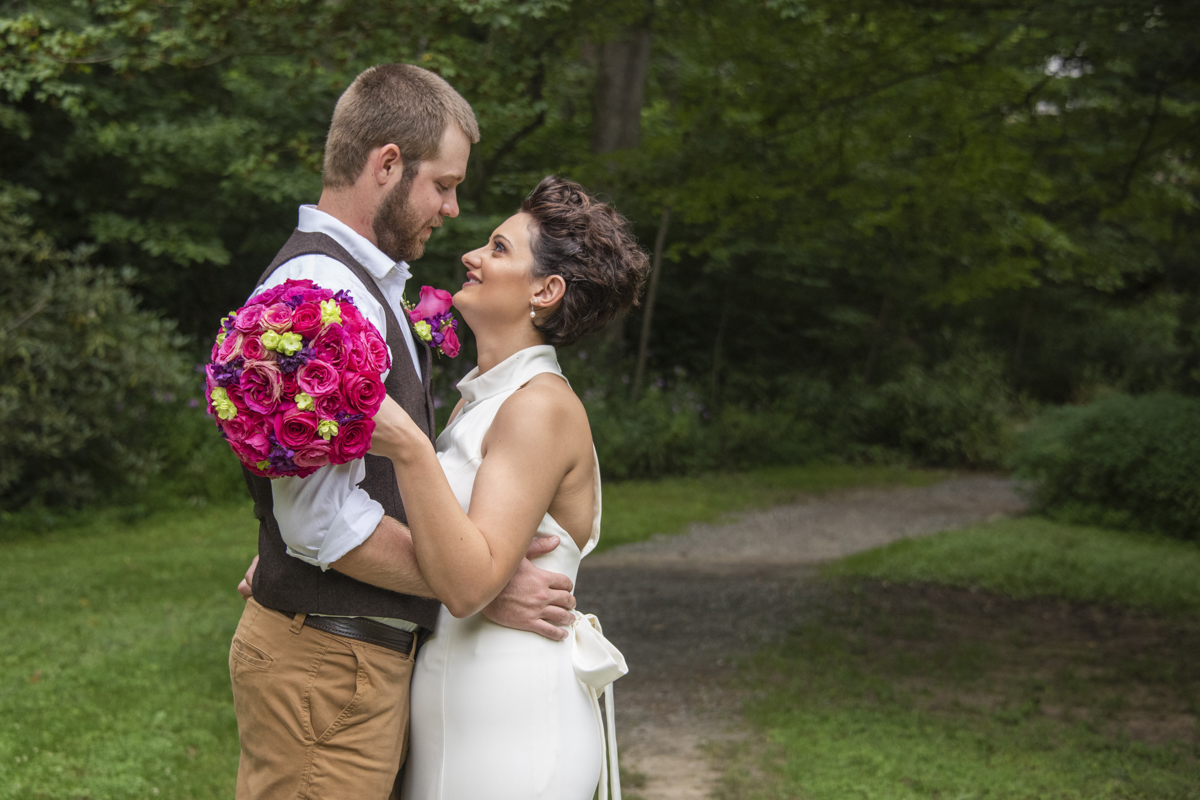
(323, 655)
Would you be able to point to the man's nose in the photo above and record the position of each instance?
(450, 207)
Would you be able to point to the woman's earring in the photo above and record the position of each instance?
(532, 313)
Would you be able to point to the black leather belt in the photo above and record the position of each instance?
(366, 630)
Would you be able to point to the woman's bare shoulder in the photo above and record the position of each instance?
(546, 403)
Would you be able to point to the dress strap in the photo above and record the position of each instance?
(597, 664)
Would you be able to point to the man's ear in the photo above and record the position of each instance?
(551, 292)
(385, 163)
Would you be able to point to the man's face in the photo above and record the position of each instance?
(420, 201)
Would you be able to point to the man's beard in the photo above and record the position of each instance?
(396, 224)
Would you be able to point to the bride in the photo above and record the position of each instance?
(499, 713)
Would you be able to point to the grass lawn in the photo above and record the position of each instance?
(114, 680)
(1030, 556)
(952, 667)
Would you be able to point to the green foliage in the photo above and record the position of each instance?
(86, 372)
(663, 433)
(848, 183)
(953, 414)
(1032, 557)
(1122, 460)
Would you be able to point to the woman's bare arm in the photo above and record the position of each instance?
(467, 560)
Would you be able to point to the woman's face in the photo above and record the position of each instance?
(499, 285)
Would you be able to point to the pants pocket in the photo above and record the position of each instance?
(333, 691)
(249, 654)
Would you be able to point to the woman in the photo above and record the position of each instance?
(499, 713)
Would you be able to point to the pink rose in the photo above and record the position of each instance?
(353, 440)
(268, 296)
(278, 318)
(315, 295)
(262, 386)
(237, 397)
(295, 428)
(363, 393)
(330, 405)
(352, 319)
(317, 378)
(249, 317)
(242, 426)
(332, 346)
(449, 342)
(289, 386)
(230, 348)
(253, 350)
(306, 320)
(376, 358)
(252, 449)
(216, 351)
(312, 455)
(277, 293)
(433, 302)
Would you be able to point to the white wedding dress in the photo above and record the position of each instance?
(500, 714)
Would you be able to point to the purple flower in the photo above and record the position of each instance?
(294, 301)
(281, 457)
(290, 364)
(342, 417)
(225, 374)
(343, 297)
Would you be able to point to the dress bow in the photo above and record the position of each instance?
(597, 664)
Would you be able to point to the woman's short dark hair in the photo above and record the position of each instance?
(591, 247)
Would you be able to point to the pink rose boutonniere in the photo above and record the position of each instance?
(432, 321)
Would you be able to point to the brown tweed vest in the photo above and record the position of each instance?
(286, 583)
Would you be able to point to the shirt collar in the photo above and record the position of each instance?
(376, 262)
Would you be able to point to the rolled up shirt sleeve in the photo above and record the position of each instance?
(326, 515)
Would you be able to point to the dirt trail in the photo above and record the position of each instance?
(684, 608)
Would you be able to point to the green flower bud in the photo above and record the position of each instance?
(289, 344)
(330, 312)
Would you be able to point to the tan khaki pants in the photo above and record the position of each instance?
(319, 716)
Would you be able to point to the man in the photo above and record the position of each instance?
(323, 655)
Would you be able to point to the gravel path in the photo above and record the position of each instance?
(684, 608)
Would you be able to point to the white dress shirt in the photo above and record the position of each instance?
(326, 515)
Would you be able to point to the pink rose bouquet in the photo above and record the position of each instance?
(296, 379)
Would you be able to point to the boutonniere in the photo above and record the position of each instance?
(432, 321)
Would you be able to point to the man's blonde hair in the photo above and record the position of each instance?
(392, 104)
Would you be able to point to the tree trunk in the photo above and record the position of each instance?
(651, 295)
(718, 345)
(877, 338)
(1027, 307)
(624, 62)
(620, 84)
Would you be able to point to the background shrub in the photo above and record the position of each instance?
(953, 414)
(1120, 461)
(94, 398)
